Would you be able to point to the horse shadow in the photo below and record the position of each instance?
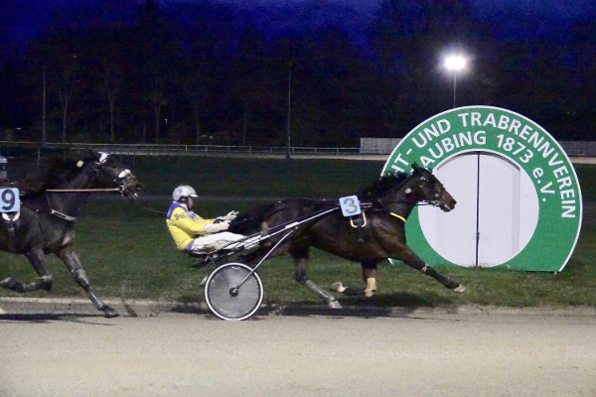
(386, 305)
(45, 318)
(399, 304)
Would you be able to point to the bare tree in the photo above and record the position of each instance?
(108, 49)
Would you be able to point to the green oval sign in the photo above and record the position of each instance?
(516, 139)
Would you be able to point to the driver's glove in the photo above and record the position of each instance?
(229, 217)
(217, 227)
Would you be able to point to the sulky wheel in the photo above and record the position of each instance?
(233, 293)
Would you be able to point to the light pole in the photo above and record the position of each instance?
(43, 114)
(455, 63)
(289, 109)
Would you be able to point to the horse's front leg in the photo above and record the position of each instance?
(369, 276)
(72, 262)
(301, 258)
(407, 256)
(44, 282)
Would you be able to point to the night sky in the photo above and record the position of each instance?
(23, 20)
(516, 49)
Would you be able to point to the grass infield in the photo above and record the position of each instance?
(127, 251)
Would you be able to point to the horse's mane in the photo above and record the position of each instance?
(52, 171)
(383, 184)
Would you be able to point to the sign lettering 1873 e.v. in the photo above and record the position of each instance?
(519, 200)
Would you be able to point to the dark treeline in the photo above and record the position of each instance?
(204, 73)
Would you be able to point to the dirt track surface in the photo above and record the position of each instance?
(310, 355)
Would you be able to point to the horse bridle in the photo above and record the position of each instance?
(124, 180)
(436, 202)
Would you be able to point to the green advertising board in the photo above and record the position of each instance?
(509, 137)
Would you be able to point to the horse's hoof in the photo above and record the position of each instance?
(11, 283)
(108, 312)
(334, 305)
(459, 288)
(203, 281)
(338, 287)
(8, 283)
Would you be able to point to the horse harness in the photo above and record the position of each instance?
(360, 221)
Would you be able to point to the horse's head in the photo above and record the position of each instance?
(406, 190)
(425, 187)
(111, 173)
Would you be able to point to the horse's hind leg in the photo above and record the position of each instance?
(411, 259)
(44, 282)
(301, 256)
(369, 276)
(70, 258)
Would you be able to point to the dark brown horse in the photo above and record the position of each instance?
(50, 204)
(369, 239)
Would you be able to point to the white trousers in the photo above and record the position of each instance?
(215, 241)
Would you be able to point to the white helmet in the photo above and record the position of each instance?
(183, 191)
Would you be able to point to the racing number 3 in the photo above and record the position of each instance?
(350, 205)
(9, 201)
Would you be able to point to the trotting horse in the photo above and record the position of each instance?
(50, 204)
(379, 235)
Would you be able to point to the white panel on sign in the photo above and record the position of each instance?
(508, 212)
(453, 234)
(529, 209)
(496, 212)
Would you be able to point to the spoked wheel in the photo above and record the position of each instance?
(228, 297)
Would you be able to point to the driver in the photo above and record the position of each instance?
(195, 234)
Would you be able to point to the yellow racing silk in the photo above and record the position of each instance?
(184, 225)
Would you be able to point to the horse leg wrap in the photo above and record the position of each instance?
(371, 287)
(96, 300)
(353, 291)
(12, 284)
(325, 296)
(43, 282)
(81, 277)
(429, 271)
